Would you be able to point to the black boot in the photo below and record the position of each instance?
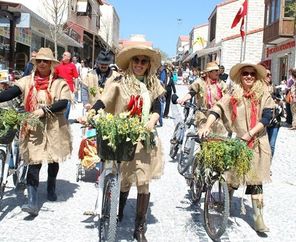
(32, 206)
(142, 206)
(51, 185)
(122, 201)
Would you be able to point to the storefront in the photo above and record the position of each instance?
(281, 57)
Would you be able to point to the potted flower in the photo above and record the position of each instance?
(222, 154)
(117, 135)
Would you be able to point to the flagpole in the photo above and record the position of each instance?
(246, 31)
(241, 50)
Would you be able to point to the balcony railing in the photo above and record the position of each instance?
(278, 31)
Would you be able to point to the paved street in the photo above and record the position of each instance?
(171, 217)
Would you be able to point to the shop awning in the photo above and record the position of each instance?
(206, 51)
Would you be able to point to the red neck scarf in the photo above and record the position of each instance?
(40, 83)
(209, 96)
(253, 119)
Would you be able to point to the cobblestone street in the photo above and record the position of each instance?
(171, 217)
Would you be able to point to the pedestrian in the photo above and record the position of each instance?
(76, 62)
(139, 65)
(67, 70)
(293, 100)
(275, 123)
(288, 99)
(84, 69)
(45, 97)
(166, 77)
(222, 75)
(247, 111)
(29, 66)
(97, 79)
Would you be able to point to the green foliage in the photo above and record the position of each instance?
(117, 128)
(226, 154)
(11, 119)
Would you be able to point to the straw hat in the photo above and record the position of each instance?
(211, 66)
(235, 71)
(45, 54)
(124, 56)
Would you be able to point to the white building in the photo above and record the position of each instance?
(225, 44)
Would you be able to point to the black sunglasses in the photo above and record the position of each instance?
(246, 73)
(140, 61)
(45, 61)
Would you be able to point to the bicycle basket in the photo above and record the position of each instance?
(8, 137)
(125, 151)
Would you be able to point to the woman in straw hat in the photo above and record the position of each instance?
(206, 92)
(247, 111)
(46, 97)
(139, 65)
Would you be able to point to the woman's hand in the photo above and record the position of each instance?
(247, 136)
(39, 113)
(87, 106)
(204, 132)
(150, 126)
(82, 120)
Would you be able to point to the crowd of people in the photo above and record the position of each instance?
(245, 102)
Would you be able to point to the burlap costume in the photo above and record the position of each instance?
(200, 86)
(260, 168)
(92, 81)
(51, 143)
(146, 165)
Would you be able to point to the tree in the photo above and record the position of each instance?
(57, 11)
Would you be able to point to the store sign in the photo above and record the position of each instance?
(281, 47)
(23, 22)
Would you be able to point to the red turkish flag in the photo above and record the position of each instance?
(242, 12)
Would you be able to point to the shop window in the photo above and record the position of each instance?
(271, 16)
(290, 8)
(213, 27)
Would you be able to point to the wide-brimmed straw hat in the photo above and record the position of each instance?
(124, 56)
(45, 54)
(235, 71)
(211, 66)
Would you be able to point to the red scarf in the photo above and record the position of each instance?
(253, 117)
(40, 83)
(209, 100)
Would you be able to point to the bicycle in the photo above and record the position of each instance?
(11, 162)
(216, 203)
(108, 186)
(182, 129)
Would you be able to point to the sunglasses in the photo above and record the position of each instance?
(45, 61)
(246, 73)
(140, 61)
(268, 75)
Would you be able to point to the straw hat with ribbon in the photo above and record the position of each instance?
(45, 54)
(124, 56)
(236, 70)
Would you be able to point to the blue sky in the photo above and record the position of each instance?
(157, 19)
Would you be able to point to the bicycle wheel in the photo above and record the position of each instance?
(2, 165)
(197, 184)
(177, 139)
(216, 208)
(20, 174)
(108, 219)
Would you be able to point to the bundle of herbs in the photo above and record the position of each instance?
(222, 154)
(11, 119)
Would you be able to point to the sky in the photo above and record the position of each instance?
(162, 21)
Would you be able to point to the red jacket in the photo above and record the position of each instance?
(67, 71)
